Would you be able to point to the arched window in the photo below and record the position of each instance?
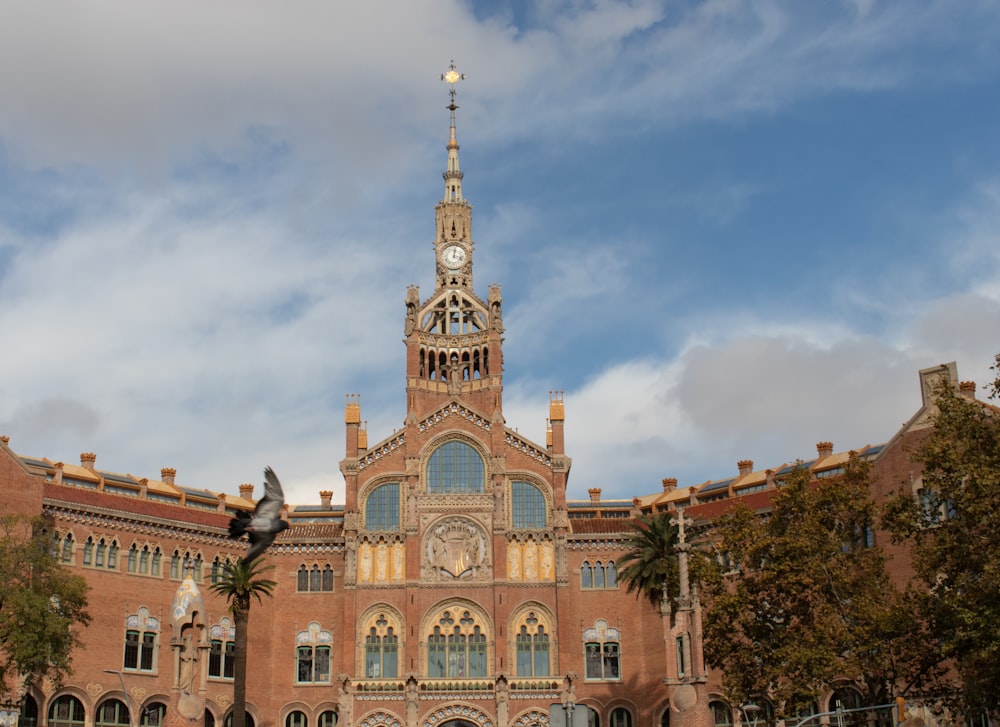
(327, 584)
(532, 647)
(586, 575)
(599, 575)
(222, 649)
(455, 468)
(621, 717)
(456, 646)
(845, 697)
(314, 579)
(611, 575)
(665, 717)
(312, 655)
(722, 715)
(593, 717)
(229, 720)
(66, 552)
(302, 581)
(153, 713)
(209, 720)
(327, 719)
(382, 648)
(29, 712)
(382, 507)
(296, 718)
(66, 711)
(112, 713)
(602, 652)
(88, 551)
(527, 506)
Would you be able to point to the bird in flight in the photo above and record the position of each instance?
(263, 526)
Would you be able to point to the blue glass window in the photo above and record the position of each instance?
(527, 505)
(382, 508)
(455, 468)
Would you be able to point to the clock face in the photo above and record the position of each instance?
(453, 256)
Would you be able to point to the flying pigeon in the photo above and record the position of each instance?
(265, 523)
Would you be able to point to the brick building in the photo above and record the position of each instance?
(456, 585)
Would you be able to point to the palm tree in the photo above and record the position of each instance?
(239, 582)
(650, 566)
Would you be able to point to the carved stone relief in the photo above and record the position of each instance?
(456, 547)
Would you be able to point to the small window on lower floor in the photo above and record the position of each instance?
(296, 719)
(327, 719)
(621, 717)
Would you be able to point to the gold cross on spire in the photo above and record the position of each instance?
(452, 76)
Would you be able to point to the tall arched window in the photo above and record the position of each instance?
(527, 506)
(531, 643)
(722, 715)
(140, 641)
(455, 468)
(602, 651)
(222, 649)
(456, 646)
(296, 718)
(154, 712)
(382, 507)
(328, 719)
(382, 647)
(621, 717)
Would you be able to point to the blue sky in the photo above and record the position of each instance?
(726, 229)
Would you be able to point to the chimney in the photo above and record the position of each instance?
(745, 466)
(824, 449)
(143, 487)
(246, 491)
(770, 478)
(57, 476)
(324, 498)
(557, 421)
(363, 436)
(669, 484)
(967, 389)
(595, 494)
(5, 439)
(221, 507)
(87, 460)
(167, 475)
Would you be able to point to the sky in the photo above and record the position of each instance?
(725, 230)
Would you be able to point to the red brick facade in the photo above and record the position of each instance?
(456, 534)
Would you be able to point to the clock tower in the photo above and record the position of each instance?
(454, 338)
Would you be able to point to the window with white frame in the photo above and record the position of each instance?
(141, 631)
(312, 655)
(221, 650)
(602, 652)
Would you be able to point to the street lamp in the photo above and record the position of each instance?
(751, 713)
(128, 699)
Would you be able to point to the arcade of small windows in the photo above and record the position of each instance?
(456, 646)
(598, 575)
(222, 648)
(146, 561)
(141, 631)
(527, 506)
(455, 468)
(312, 580)
(602, 652)
(382, 647)
(532, 647)
(100, 554)
(472, 363)
(312, 655)
(218, 568)
(182, 563)
(382, 508)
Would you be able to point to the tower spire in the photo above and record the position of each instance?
(453, 174)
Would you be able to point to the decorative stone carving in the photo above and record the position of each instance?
(456, 547)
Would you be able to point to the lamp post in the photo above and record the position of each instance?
(128, 699)
(751, 713)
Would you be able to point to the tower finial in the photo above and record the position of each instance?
(453, 175)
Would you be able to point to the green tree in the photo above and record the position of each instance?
(798, 601)
(952, 523)
(649, 566)
(241, 582)
(42, 605)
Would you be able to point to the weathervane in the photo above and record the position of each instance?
(452, 76)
